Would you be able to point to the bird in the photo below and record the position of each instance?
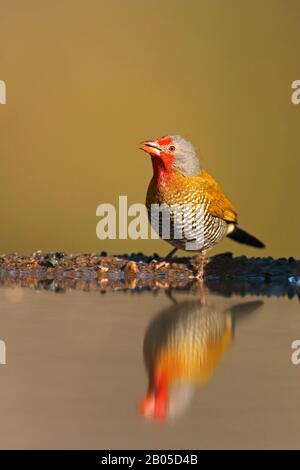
(183, 346)
(181, 185)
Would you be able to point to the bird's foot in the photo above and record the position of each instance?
(162, 265)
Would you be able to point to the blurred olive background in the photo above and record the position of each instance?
(87, 80)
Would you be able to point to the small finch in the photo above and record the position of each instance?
(181, 185)
(183, 345)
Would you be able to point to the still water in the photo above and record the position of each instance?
(187, 369)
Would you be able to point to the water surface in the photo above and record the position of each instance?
(79, 365)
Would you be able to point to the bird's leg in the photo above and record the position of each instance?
(169, 294)
(170, 255)
(166, 262)
(200, 285)
(201, 261)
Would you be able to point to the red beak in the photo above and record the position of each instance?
(151, 147)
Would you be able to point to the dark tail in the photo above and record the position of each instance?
(239, 235)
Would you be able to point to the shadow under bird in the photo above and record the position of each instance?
(179, 181)
(183, 346)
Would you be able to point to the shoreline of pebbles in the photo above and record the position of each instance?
(224, 273)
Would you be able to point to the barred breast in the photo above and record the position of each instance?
(187, 341)
(192, 227)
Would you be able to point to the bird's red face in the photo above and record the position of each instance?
(162, 151)
(169, 154)
(155, 403)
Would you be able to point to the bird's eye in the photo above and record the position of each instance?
(172, 148)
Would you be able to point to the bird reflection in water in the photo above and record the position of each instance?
(183, 346)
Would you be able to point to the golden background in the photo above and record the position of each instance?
(87, 80)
